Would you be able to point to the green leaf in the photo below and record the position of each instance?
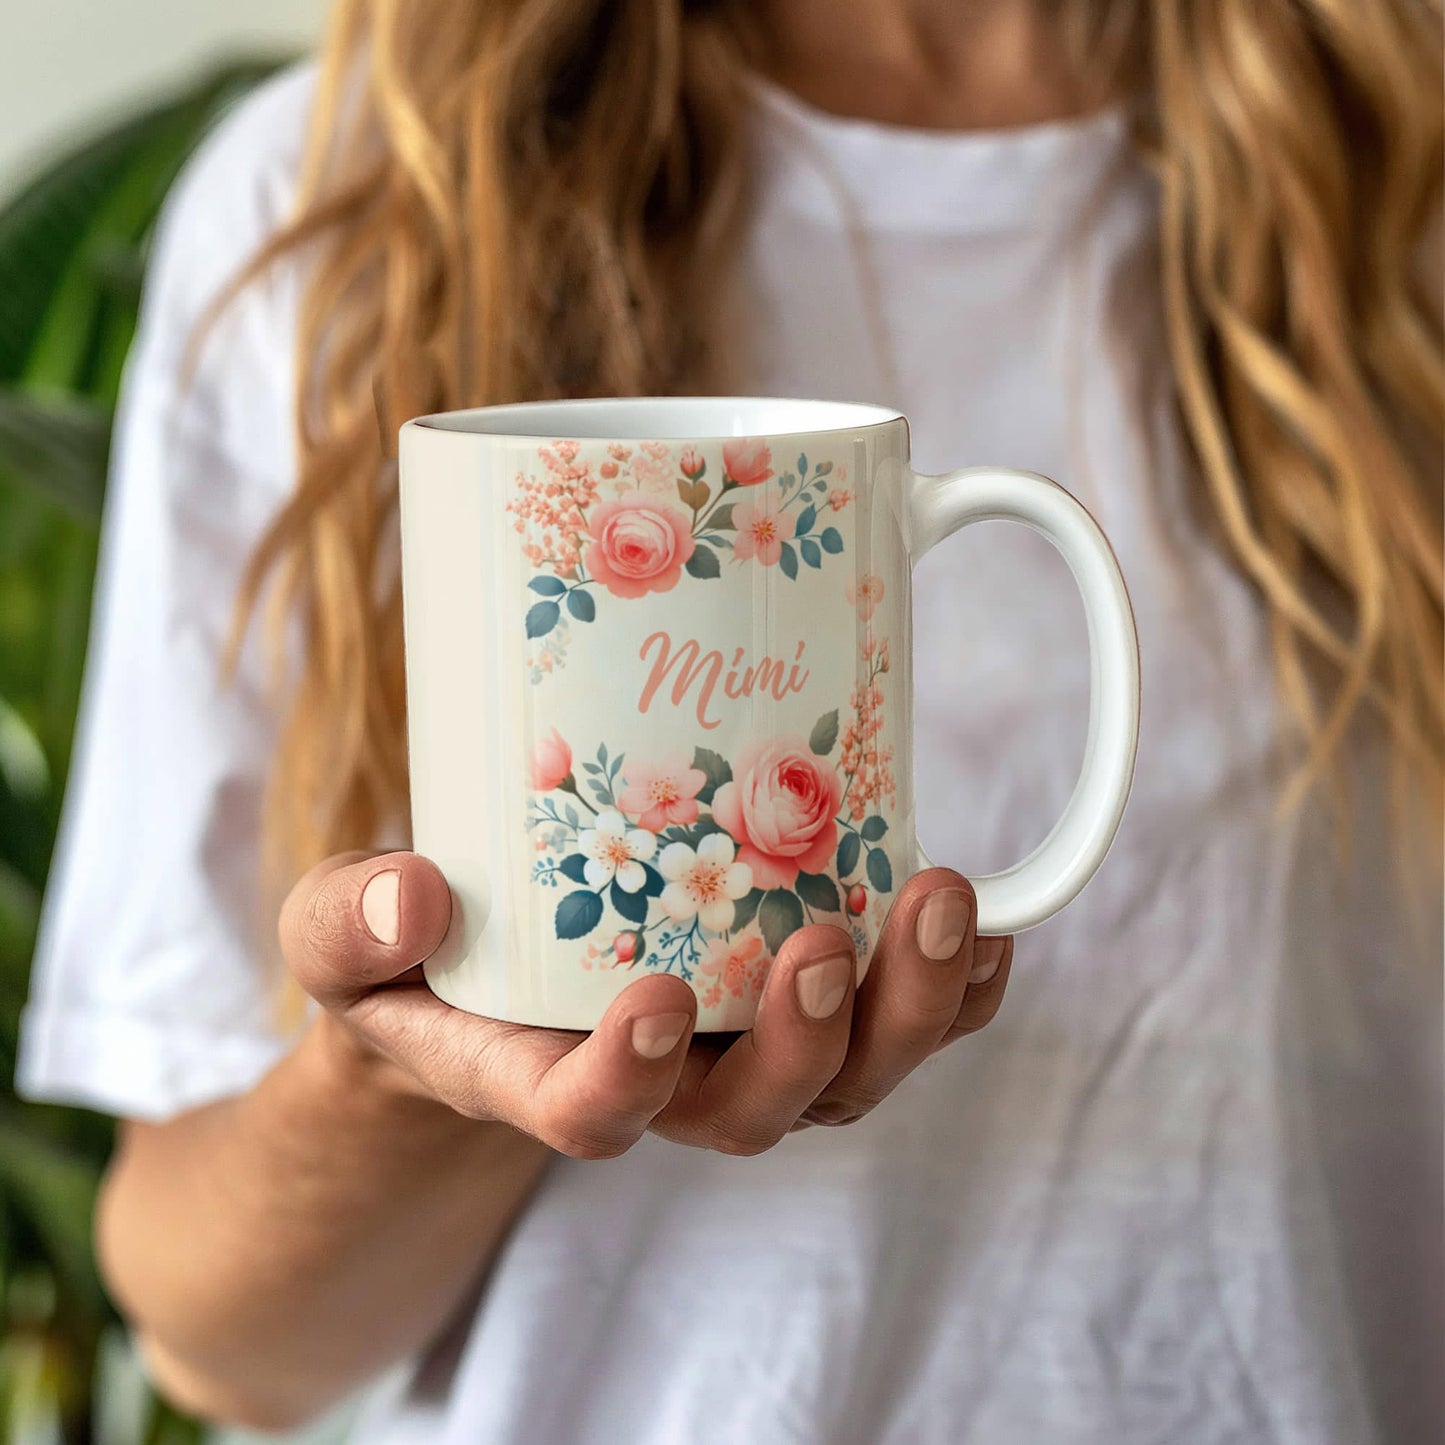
(805, 520)
(849, 850)
(632, 906)
(548, 586)
(873, 829)
(578, 914)
(582, 605)
(880, 870)
(818, 891)
(825, 734)
(746, 909)
(717, 768)
(722, 518)
(704, 563)
(832, 540)
(542, 618)
(811, 555)
(803, 464)
(59, 445)
(574, 866)
(788, 561)
(780, 915)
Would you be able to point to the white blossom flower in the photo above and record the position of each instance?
(706, 882)
(615, 851)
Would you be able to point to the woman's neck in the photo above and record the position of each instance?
(938, 64)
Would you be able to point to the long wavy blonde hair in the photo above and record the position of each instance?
(515, 199)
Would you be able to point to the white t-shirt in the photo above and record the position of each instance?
(1186, 1188)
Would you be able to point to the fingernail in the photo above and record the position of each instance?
(987, 955)
(381, 906)
(821, 985)
(942, 923)
(656, 1037)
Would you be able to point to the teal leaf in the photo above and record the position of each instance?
(574, 866)
(632, 906)
(873, 829)
(578, 914)
(805, 521)
(848, 852)
(780, 915)
(824, 734)
(542, 618)
(818, 891)
(655, 881)
(548, 586)
(704, 563)
(582, 605)
(823, 469)
(722, 518)
(880, 870)
(788, 562)
(716, 767)
(811, 555)
(803, 464)
(746, 909)
(832, 540)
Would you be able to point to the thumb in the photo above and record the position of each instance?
(352, 922)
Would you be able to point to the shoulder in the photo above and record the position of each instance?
(236, 191)
(222, 378)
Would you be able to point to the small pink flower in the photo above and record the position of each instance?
(739, 965)
(762, 530)
(551, 762)
(639, 545)
(747, 461)
(691, 464)
(625, 947)
(618, 452)
(662, 792)
(781, 808)
(838, 498)
(566, 450)
(608, 470)
(865, 594)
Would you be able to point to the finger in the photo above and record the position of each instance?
(745, 1100)
(587, 1095)
(911, 996)
(992, 960)
(354, 922)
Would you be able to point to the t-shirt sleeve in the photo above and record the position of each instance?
(151, 992)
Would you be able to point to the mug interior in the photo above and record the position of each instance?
(663, 418)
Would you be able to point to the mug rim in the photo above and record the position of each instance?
(649, 418)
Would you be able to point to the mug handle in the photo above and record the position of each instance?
(1053, 874)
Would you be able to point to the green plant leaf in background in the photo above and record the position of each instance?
(72, 251)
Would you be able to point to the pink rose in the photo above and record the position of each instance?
(551, 762)
(762, 530)
(747, 461)
(661, 793)
(639, 545)
(780, 809)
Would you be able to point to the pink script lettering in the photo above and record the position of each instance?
(690, 666)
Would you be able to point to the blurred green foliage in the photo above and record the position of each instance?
(72, 253)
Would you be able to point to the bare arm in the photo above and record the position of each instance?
(275, 1250)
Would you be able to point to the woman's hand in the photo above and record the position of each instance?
(354, 931)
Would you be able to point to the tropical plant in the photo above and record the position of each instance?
(72, 251)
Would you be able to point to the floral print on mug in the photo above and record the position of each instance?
(603, 532)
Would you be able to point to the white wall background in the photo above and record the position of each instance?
(68, 64)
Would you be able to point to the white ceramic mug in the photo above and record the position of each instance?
(659, 690)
